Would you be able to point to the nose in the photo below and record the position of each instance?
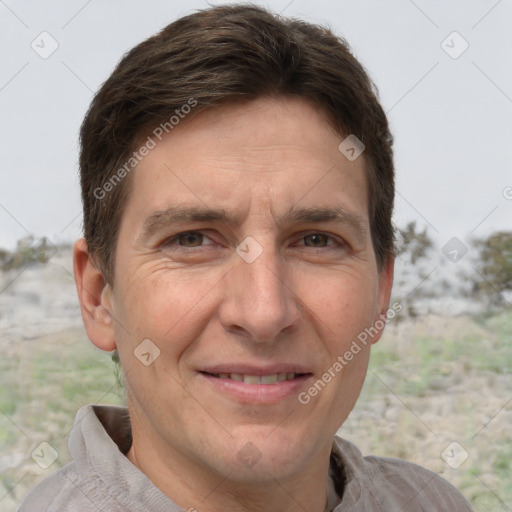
(258, 301)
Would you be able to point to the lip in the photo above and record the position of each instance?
(264, 394)
(248, 369)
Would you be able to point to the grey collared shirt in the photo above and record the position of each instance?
(101, 478)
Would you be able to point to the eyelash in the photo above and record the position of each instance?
(172, 241)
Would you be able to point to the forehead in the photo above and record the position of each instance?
(266, 153)
(259, 128)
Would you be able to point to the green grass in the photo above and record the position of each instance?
(44, 382)
(479, 351)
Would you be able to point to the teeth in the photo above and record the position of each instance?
(269, 379)
(252, 379)
(255, 379)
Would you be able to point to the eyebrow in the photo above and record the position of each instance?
(318, 215)
(176, 214)
(315, 215)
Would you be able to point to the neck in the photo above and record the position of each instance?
(197, 488)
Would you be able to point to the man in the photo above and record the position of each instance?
(237, 184)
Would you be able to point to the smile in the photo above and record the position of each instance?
(257, 379)
(267, 388)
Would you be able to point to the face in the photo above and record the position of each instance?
(245, 257)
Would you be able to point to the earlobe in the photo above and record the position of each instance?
(94, 294)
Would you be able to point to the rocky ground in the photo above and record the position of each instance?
(438, 392)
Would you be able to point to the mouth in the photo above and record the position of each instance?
(272, 378)
(256, 386)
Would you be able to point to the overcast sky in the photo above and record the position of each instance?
(443, 70)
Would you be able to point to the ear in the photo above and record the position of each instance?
(94, 294)
(383, 298)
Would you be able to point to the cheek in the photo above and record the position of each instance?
(341, 307)
(168, 309)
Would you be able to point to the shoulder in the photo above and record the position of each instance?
(417, 484)
(52, 492)
(389, 483)
(67, 490)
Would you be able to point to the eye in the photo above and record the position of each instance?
(191, 239)
(187, 239)
(317, 240)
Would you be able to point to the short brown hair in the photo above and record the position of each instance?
(214, 56)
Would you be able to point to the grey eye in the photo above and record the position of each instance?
(190, 239)
(316, 240)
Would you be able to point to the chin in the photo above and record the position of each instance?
(262, 454)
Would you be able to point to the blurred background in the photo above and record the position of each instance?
(439, 388)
